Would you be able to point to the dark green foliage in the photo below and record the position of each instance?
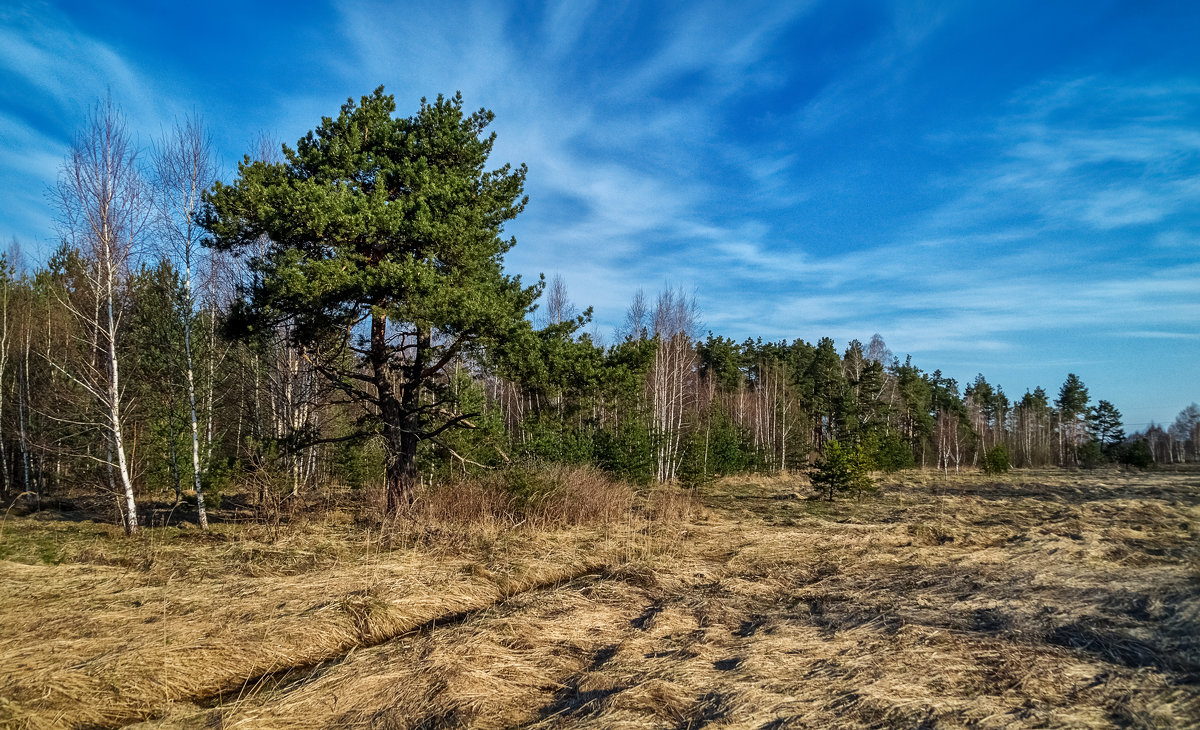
(357, 464)
(889, 452)
(996, 460)
(384, 257)
(715, 449)
(485, 442)
(1135, 453)
(155, 377)
(1072, 397)
(840, 469)
(721, 360)
(915, 395)
(626, 452)
(825, 385)
(548, 440)
(221, 477)
(1104, 420)
(1090, 454)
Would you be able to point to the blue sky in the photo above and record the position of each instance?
(1007, 188)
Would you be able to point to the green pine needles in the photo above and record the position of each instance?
(840, 469)
(376, 244)
(996, 460)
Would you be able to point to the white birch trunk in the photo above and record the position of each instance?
(114, 402)
(202, 513)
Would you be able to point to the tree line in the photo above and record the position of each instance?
(338, 314)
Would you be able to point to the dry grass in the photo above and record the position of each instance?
(1044, 599)
(550, 496)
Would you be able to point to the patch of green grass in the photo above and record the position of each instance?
(31, 546)
(52, 543)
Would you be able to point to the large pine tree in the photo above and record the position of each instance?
(385, 258)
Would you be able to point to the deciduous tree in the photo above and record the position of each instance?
(104, 208)
(184, 167)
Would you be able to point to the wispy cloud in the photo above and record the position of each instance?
(1089, 153)
(44, 52)
(44, 55)
(1159, 335)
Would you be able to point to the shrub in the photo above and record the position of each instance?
(1135, 453)
(358, 464)
(548, 441)
(996, 460)
(892, 453)
(626, 452)
(716, 449)
(1090, 455)
(840, 469)
(539, 495)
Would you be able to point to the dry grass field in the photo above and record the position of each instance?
(1038, 599)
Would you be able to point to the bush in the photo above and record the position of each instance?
(550, 442)
(626, 452)
(840, 469)
(1136, 453)
(996, 460)
(892, 453)
(716, 449)
(222, 477)
(1090, 455)
(529, 493)
(358, 464)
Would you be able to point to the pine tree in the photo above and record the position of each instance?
(1072, 404)
(840, 469)
(1104, 420)
(385, 252)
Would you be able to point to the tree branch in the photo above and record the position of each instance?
(453, 422)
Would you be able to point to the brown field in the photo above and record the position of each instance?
(1039, 599)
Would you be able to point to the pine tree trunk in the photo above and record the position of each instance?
(401, 418)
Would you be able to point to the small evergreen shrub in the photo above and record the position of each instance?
(996, 460)
(626, 452)
(1136, 453)
(840, 469)
(716, 449)
(1090, 455)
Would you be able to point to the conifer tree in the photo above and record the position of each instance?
(385, 252)
(1104, 420)
(1072, 404)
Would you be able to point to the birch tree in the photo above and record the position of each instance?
(675, 319)
(6, 272)
(104, 208)
(184, 168)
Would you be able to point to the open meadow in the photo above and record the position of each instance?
(1034, 599)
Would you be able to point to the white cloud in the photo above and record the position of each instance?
(1087, 153)
(41, 47)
